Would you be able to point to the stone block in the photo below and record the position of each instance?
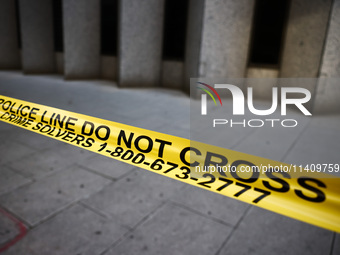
(39, 200)
(304, 39)
(174, 230)
(140, 42)
(76, 230)
(36, 22)
(81, 39)
(264, 232)
(135, 196)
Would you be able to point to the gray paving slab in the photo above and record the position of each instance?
(323, 147)
(174, 112)
(336, 245)
(161, 97)
(174, 230)
(4, 126)
(42, 163)
(39, 200)
(8, 133)
(136, 200)
(123, 105)
(71, 153)
(212, 205)
(326, 121)
(230, 139)
(132, 106)
(272, 143)
(10, 180)
(9, 128)
(54, 91)
(106, 166)
(34, 140)
(148, 121)
(264, 232)
(12, 151)
(8, 229)
(223, 136)
(26, 137)
(173, 129)
(38, 164)
(76, 230)
(133, 197)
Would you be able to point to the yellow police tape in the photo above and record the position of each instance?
(281, 188)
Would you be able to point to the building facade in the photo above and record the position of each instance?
(162, 43)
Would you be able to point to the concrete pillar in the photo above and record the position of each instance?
(328, 90)
(9, 50)
(304, 39)
(193, 41)
(81, 39)
(330, 65)
(36, 22)
(218, 38)
(140, 42)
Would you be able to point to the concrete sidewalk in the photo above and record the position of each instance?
(71, 201)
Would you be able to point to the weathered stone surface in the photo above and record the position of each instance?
(10, 180)
(330, 61)
(11, 151)
(193, 41)
(8, 228)
(36, 23)
(225, 39)
(327, 96)
(336, 247)
(39, 200)
(304, 39)
(106, 166)
(174, 230)
(76, 230)
(328, 91)
(212, 205)
(140, 42)
(162, 214)
(81, 39)
(135, 196)
(263, 232)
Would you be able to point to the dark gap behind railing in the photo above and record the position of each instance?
(268, 31)
(109, 27)
(174, 30)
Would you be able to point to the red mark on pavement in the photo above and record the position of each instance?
(20, 226)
